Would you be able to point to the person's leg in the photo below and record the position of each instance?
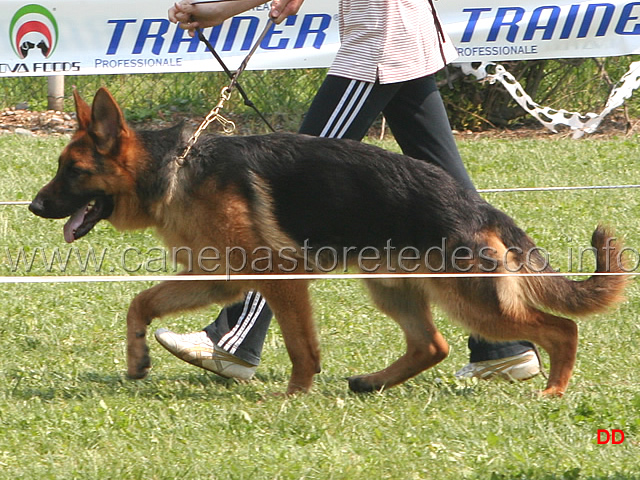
(241, 328)
(420, 125)
(483, 350)
(231, 345)
(345, 108)
(511, 360)
(418, 120)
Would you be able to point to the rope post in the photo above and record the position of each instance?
(55, 93)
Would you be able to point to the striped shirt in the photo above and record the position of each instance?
(389, 40)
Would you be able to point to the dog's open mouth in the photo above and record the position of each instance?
(84, 219)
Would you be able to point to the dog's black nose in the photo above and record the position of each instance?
(36, 206)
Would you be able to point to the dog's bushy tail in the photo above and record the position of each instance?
(577, 298)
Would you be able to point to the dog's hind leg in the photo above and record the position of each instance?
(558, 336)
(291, 306)
(406, 302)
(163, 299)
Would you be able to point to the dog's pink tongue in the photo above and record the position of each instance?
(73, 223)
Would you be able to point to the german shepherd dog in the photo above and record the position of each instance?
(325, 203)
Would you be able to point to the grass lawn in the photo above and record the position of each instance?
(67, 410)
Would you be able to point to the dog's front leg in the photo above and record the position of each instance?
(163, 299)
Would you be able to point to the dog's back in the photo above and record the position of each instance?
(339, 193)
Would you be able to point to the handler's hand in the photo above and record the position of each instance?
(190, 16)
(281, 9)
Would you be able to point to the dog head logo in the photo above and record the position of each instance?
(33, 29)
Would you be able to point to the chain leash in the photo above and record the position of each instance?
(214, 115)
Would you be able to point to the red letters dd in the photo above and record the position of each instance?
(616, 436)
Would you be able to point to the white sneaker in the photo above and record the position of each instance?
(519, 367)
(198, 349)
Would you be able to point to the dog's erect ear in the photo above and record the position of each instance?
(83, 110)
(107, 122)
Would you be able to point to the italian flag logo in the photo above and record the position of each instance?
(33, 30)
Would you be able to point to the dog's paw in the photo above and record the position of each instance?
(138, 374)
(296, 389)
(362, 384)
(139, 370)
(138, 361)
(551, 392)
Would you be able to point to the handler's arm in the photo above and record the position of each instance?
(190, 16)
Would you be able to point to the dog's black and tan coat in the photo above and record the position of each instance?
(296, 196)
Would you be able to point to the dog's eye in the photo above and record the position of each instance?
(76, 171)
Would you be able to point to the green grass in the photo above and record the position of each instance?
(67, 410)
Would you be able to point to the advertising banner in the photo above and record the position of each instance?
(71, 37)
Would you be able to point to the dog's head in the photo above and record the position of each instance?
(92, 169)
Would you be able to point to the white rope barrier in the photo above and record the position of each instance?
(481, 190)
(555, 189)
(306, 276)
